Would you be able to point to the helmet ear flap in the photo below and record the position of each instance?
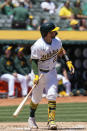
(44, 34)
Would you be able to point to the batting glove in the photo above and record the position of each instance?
(71, 67)
(36, 79)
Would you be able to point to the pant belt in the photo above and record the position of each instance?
(44, 70)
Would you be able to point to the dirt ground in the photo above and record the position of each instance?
(62, 126)
(17, 101)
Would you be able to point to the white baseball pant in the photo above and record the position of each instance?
(11, 80)
(49, 82)
(66, 83)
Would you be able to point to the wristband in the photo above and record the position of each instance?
(66, 57)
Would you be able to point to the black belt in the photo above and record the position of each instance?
(44, 70)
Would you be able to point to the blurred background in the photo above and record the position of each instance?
(20, 22)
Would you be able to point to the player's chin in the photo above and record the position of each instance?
(54, 35)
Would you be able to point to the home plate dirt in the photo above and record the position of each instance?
(62, 126)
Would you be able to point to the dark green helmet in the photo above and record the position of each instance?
(47, 27)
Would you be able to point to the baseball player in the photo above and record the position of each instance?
(44, 54)
(7, 69)
(22, 68)
(62, 76)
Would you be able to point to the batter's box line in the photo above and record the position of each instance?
(16, 128)
(60, 129)
(68, 129)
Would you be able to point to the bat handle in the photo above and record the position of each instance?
(35, 84)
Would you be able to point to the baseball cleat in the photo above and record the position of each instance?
(52, 125)
(32, 123)
(11, 97)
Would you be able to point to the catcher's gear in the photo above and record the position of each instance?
(70, 66)
(47, 27)
(36, 79)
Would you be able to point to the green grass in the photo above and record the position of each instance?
(65, 112)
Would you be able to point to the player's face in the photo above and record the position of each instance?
(8, 53)
(53, 34)
(20, 53)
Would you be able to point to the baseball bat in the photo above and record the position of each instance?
(19, 108)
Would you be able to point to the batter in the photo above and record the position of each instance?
(44, 54)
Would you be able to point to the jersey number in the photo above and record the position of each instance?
(55, 58)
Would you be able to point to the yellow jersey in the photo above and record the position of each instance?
(65, 12)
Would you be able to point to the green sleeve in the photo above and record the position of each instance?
(35, 66)
(18, 67)
(28, 66)
(2, 66)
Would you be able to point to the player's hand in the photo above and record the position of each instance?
(26, 77)
(15, 74)
(36, 79)
(71, 67)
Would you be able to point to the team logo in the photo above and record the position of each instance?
(50, 55)
(8, 63)
(22, 63)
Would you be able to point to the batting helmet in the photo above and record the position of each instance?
(47, 27)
